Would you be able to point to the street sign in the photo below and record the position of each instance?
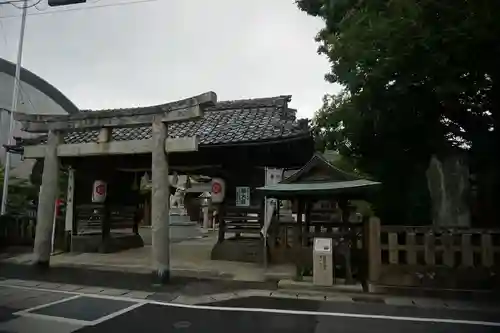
(243, 196)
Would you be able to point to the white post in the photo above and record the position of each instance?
(264, 229)
(206, 219)
(15, 93)
(53, 238)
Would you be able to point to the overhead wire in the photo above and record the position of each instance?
(30, 6)
(9, 2)
(41, 10)
(44, 9)
(4, 34)
(47, 12)
(23, 94)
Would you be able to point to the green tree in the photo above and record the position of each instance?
(21, 192)
(420, 79)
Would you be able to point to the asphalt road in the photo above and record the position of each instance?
(33, 310)
(159, 318)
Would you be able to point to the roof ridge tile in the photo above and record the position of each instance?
(276, 101)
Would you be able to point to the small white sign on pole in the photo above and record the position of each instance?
(323, 245)
(273, 176)
(243, 196)
(68, 225)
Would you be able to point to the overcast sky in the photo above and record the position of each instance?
(154, 52)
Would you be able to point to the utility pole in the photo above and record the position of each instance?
(13, 108)
(15, 94)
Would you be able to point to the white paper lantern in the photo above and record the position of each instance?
(218, 190)
(99, 191)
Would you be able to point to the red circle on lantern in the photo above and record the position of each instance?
(216, 188)
(100, 189)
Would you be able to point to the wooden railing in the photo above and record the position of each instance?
(239, 221)
(438, 246)
(288, 242)
(432, 255)
(89, 218)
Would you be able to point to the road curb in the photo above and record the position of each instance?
(308, 285)
(117, 279)
(213, 299)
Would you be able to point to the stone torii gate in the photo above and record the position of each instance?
(159, 146)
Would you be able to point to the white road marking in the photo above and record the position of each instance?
(56, 319)
(29, 312)
(22, 312)
(277, 311)
(117, 313)
(334, 314)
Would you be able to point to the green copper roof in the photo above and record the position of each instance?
(296, 189)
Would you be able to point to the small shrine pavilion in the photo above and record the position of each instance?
(321, 196)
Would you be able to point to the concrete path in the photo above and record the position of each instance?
(189, 258)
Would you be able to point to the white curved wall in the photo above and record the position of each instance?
(31, 100)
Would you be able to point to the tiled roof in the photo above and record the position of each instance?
(228, 122)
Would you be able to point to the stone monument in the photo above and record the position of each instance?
(181, 226)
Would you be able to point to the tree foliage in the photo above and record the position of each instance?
(419, 79)
(21, 192)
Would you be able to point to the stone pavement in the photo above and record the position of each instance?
(189, 258)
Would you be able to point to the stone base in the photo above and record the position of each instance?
(94, 243)
(161, 277)
(145, 232)
(239, 249)
(182, 228)
(41, 265)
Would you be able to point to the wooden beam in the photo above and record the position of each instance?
(181, 110)
(173, 145)
(190, 168)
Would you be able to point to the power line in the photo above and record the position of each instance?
(33, 5)
(9, 2)
(24, 94)
(4, 34)
(47, 7)
(44, 12)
